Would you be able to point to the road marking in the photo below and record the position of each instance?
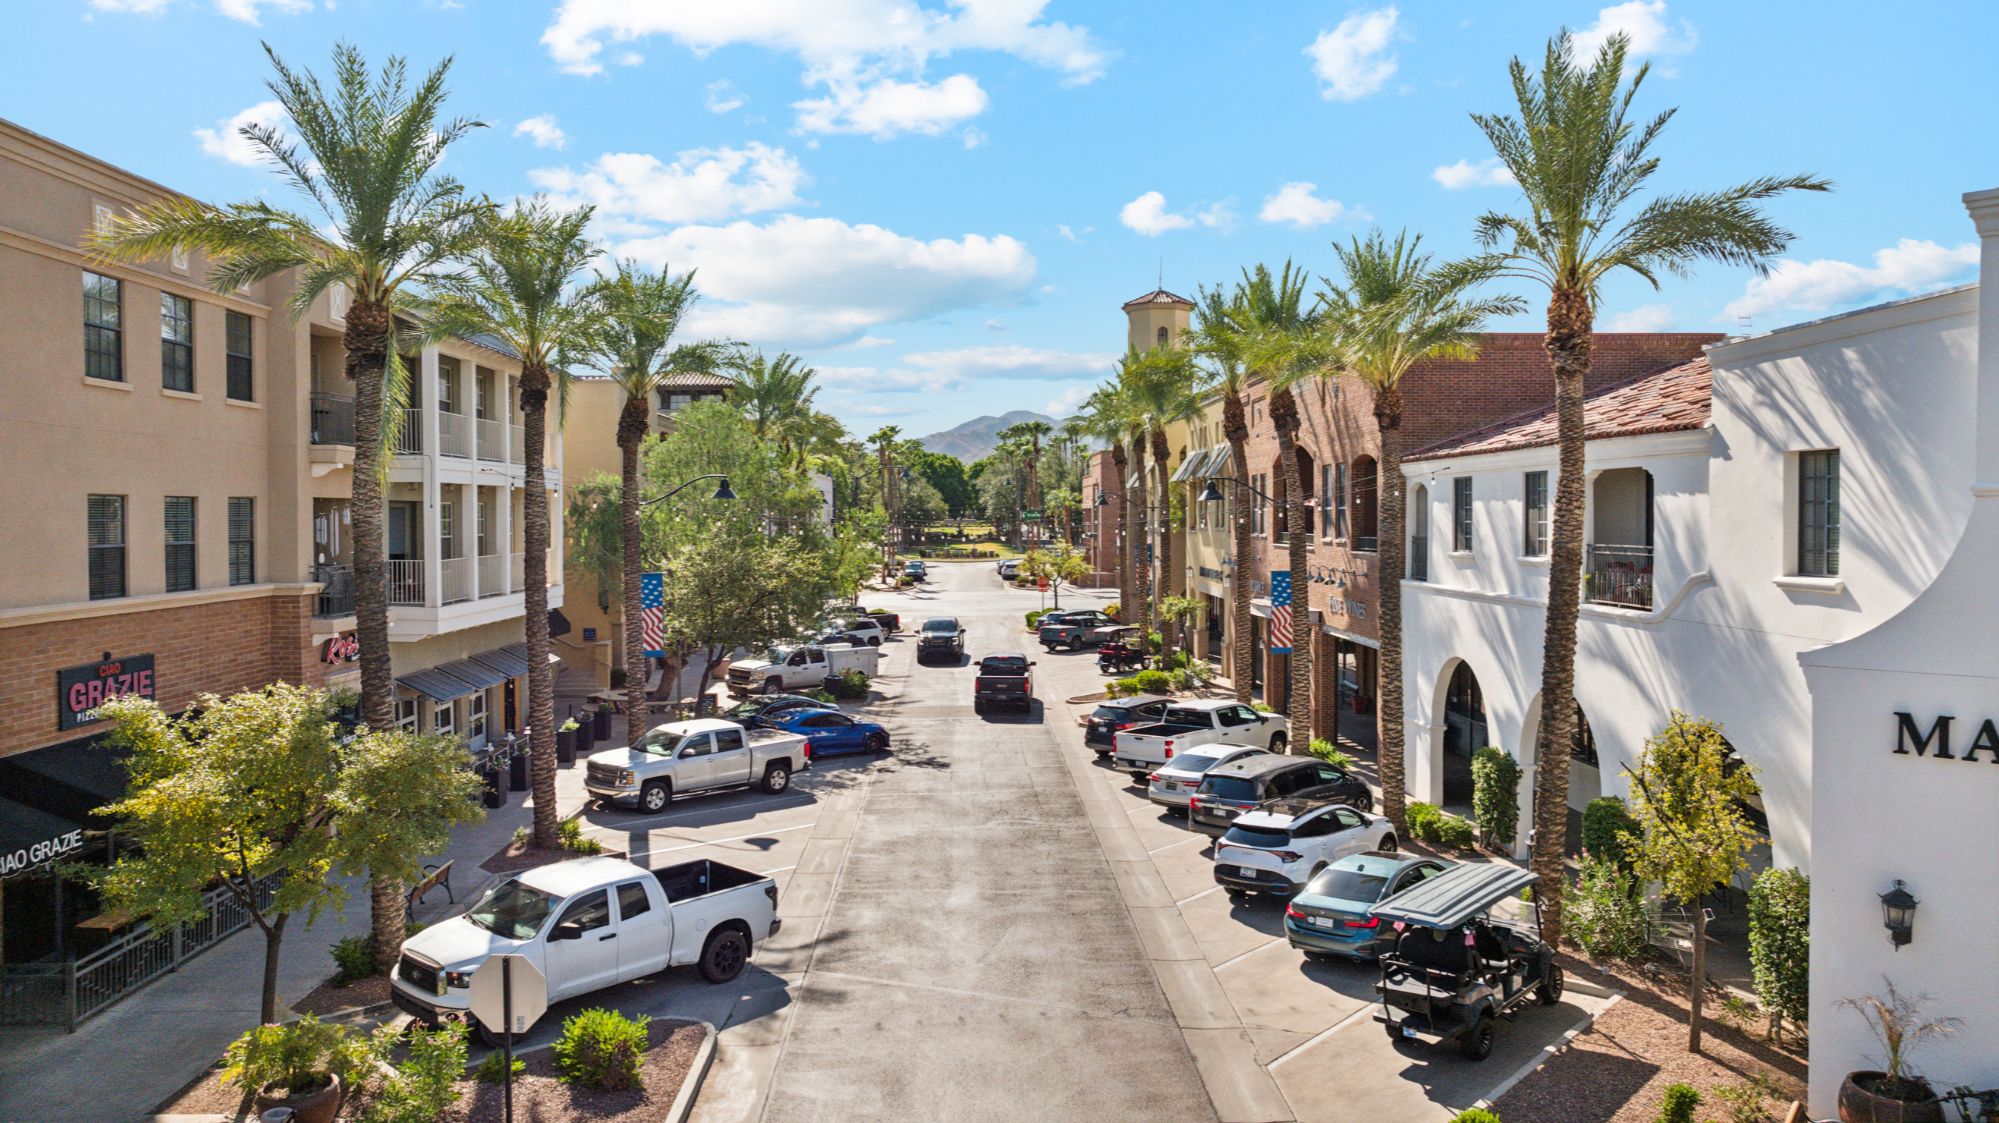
(1197, 896)
(778, 870)
(720, 841)
(649, 820)
(1093, 1012)
(1366, 1011)
(1224, 963)
(1182, 842)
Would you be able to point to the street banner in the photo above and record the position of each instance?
(652, 613)
(1280, 612)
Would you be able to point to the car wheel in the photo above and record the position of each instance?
(773, 685)
(1476, 1044)
(1387, 844)
(776, 778)
(978, 707)
(875, 742)
(1278, 741)
(1237, 894)
(655, 796)
(724, 956)
(1550, 990)
(874, 641)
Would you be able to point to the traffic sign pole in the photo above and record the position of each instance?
(507, 1039)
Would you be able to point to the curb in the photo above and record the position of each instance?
(690, 1088)
(1546, 1054)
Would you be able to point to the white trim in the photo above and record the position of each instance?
(184, 395)
(1785, 342)
(1601, 454)
(146, 602)
(1798, 583)
(240, 403)
(108, 383)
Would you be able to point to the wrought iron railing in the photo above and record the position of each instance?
(337, 598)
(457, 574)
(492, 575)
(332, 418)
(517, 568)
(405, 577)
(1620, 575)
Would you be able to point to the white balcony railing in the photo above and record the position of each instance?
(517, 565)
(548, 568)
(405, 581)
(409, 432)
(454, 434)
(516, 444)
(458, 573)
(492, 436)
(492, 575)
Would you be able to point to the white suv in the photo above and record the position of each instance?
(866, 627)
(1175, 782)
(1278, 847)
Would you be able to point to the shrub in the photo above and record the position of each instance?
(1263, 707)
(904, 581)
(602, 1049)
(1605, 822)
(1679, 1104)
(297, 1056)
(1325, 750)
(1745, 1103)
(1422, 819)
(1780, 943)
(1111, 610)
(425, 1085)
(1152, 682)
(1475, 1115)
(353, 960)
(1604, 917)
(821, 694)
(493, 1070)
(569, 832)
(1115, 688)
(1455, 832)
(850, 684)
(569, 726)
(1034, 616)
(1495, 800)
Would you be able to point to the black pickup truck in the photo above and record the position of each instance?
(1004, 682)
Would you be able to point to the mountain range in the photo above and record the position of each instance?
(976, 439)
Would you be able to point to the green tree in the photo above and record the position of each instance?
(519, 287)
(1222, 337)
(1056, 563)
(592, 524)
(1780, 945)
(1581, 166)
(777, 395)
(1687, 798)
(1165, 391)
(947, 474)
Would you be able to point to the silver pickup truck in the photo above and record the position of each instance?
(694, 756)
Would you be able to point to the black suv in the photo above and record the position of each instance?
(941, 636)
(1100, 728)
(1238, 786)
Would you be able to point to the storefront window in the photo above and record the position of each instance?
(475, 720)
(443, 718)
(406, 714)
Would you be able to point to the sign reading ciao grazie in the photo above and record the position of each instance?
(1909, 738)
(80, 690)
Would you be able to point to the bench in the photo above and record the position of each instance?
(435, 877)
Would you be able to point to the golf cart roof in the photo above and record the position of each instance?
(1455, 896)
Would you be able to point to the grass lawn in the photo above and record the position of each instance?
(999, 550)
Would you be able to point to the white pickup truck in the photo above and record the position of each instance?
(682, 757)
(590, 923)
(1185, 725)
(801, 667)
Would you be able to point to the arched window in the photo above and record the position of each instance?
(1163, 337)
(1362, 483)
(1308, 478)
(1419, 534)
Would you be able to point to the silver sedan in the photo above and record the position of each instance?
(1174, 782)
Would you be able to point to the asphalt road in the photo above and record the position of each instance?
(976, 960)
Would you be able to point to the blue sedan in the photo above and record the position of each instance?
(831, 731)
(1334, 916)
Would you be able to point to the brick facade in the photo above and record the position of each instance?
(1100, 523)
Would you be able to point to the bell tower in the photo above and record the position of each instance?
(1156, 319)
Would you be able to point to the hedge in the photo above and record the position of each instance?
(1605, 821)
(1495, 800)
(1780, 943)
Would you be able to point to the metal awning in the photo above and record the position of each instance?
(437, 684)
(1455, 896)
(1189, 464)
(520, 651)
(1214, 462)
(503, 661)
(478, 674)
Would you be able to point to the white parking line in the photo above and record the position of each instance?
(1365, 1012)
(1252, 951)
(1196, 896)
(720, 841)
(1182, 842)
(625, 825)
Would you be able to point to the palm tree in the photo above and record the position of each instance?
(1579, 162)
(884, 442)
(519, 288)
(366, 155)
(776, 394)
(1104, 415)
(1165, 385)
(1397, 312)
(638, 312)
(1030, 434)
(1219, 337)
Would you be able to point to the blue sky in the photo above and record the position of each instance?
(942, 204)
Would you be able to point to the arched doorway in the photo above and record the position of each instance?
(1464, 733)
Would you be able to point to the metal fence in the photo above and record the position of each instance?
(67, 994)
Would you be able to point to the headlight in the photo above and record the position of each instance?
(625, 778)
(458, 979)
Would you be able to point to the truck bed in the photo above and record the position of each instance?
(688, 880)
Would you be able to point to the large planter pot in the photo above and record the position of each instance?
(1859, 1103)
(311, 1107)
(600, 725)
(565, 745)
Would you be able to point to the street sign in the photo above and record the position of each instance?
(489, 993)
(1030, 516)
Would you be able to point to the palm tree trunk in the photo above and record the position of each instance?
(1388, 492)
(1568, 347)
(541, 677)
(1235, 428)
(1120, 548)
(1168, 629)
(1284, 417)
(387, 911)
(1142, 540)
(631, 434)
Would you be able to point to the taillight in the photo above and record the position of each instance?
(1370, 922)
(808, 750)
(1169, 750)
(1126, 724)
(771, 892)
(1292, 912)
(1193, 801)
(1154, 777)
(1285, 855)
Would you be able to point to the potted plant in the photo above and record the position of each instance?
(303, 1065)
(1896, 1093)
(565, 741)
(600, 723)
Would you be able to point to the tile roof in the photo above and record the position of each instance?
(695, 380)
(1662, 401)
(1159, 296)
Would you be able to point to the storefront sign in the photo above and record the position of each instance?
(344, 648)
(1910, 738)
(1211, 574)
(80, 690)
(40, 854)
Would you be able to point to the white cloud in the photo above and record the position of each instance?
(974, 138)
(888, 107)
(1464, 174)
(1217, 216)
(1070, 400)
(1645, 317)
(862, 51)
(1353, 59)
(1009, 361)
(1908, 266)
(226, 140)
(723, 97)
(543, 131)
(246, 10)
(1296, 204)
(1071, 234)
(1644, 23)
(135, 7)
(818, 281)
(701, 185)
(1148, 215)
(868, 341)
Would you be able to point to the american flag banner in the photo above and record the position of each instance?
(652, 613)
(1280, 612)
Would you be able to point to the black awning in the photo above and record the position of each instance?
(69, 781)
(478, 674)
(558, 624)
(437, 684)
(503, 661)
(520, 651)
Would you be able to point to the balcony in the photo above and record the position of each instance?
(454, 434)
(405, 578)
(409, 433)
(493, 576)
(1619, 575)
(517, 444)
(332, 418)
(517, 567)
(491, 436)
(457, 574)
(1419, 557)
(337, 598)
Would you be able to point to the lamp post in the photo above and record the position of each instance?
(722, 489)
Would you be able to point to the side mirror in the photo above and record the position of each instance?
(1030, 662)
(687, 752)
(569, 931)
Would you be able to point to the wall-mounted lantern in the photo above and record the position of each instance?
(1898, 915)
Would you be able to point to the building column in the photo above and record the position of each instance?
(432, 544)
(1325, 683)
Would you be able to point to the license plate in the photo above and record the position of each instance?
(1248, 871)
(1322, 922)
(1170, 786)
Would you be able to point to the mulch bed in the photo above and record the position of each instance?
(517, 856)
(539, 1097)
(330, 998)
(1617, 1070)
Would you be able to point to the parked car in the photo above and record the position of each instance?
(851, 639)
(564, 917)
(915, 570)
(866, 627)
(1004, 682)
(831, 731)
(761, 711)
(1281, 845)
(694, 756)
(890, 622)
(1009, 568)
(807, 666)
(1335, 913)
(940, 637)
(1230, 789)
(1456, 969)
(1070, 629)
(1175, 782)
(1101, 727)
(1188, 725)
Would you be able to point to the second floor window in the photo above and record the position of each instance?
(1461, 514)
(1818, 513)
(180, 543)
(176, 342)
(447, 385)
(103, 338)
(107, 546)
(242, 541)
(238, 346)
(1339, 493)
(1536, 543)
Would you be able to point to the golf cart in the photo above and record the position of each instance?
(1455, 970)
(1119, 649)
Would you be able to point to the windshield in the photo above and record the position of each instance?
(750, 708)
(658, 742)
(1240, 789)
(1179, 715)
(940, 625)
(1262, 840)
(778, 654)
(512, 910)
(995, 665)
(1348, 885)
(1192, 762)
